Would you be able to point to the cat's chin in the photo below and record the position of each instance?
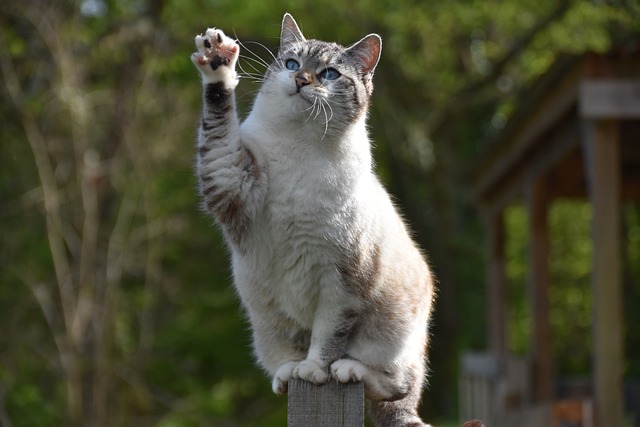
(302, 97)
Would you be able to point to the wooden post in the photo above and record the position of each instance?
(496, 283)
(538, 201)
(332, 404)
(602, 157)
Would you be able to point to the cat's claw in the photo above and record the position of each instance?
(310, 370)
(216, 57)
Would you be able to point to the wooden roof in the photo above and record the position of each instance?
(543, 136)
(586, 104)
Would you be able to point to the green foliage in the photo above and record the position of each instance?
(569, 291)
(519, 320)
(570, 306)
(632, 288)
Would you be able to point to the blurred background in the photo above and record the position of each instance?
(116, 304)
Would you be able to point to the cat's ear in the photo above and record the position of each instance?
(290, 32)
(367, 52)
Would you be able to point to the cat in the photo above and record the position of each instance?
(331, 281)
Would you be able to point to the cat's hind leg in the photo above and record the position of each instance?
(280, 382)
(378, 385)
(394, 398)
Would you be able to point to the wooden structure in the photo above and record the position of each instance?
(576, 134)
(331, 404)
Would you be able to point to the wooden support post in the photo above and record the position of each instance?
(538, 203)
(496, 283)
(331, 404)
(602, 157)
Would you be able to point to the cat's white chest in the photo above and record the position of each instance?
(301, 215)
(307, 218)
(294, 248)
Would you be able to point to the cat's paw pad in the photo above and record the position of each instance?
(347, 370)
(312, 371)
(280, 383)
(216, 57)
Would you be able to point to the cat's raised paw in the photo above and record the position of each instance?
(312, 371)
(347, 370)
(216, 57)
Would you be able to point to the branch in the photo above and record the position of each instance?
(439, 117)
(50, 190)
(5, 420)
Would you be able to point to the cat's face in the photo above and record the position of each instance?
(322, 84)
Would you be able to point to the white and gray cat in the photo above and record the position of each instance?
(333, 285)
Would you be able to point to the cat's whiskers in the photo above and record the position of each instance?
(333, 94)
(325, 102)
(249, 93)
(256, 76)
(312, 107)
(254, 63)
(320, 105)
(319, 99)
(251, 62)
(330, 110)
(250, 68)
(243, 45)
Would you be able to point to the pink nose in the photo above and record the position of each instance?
(302, 80)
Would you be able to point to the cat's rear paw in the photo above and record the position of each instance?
(378, 386)
(216, 57)
(348, 370)
(310, 370)
(280, 383)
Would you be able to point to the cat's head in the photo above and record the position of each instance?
(324, 84)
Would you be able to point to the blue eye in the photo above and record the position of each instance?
(292, 65)
(329, 74)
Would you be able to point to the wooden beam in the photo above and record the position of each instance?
(496, 283)
(602, 157)
(567, 178)
(555, 102)
(550, 150)
(538, 202)
(609, 99)
(331, 404)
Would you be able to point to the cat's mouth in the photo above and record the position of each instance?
(298, 93)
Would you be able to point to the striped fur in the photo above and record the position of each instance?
(331, 281)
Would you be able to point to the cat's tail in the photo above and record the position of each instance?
(398, 413)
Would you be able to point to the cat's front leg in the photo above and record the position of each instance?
(315, 371)
(333, 325)
(231, 178)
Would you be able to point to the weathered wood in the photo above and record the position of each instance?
(538, 204)
(331, 404)
(602, 149)
(491, 385)
(542, 110)
(607, 99)
(572, 412)
(496, 283)
(527, 416)
(479, 374)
